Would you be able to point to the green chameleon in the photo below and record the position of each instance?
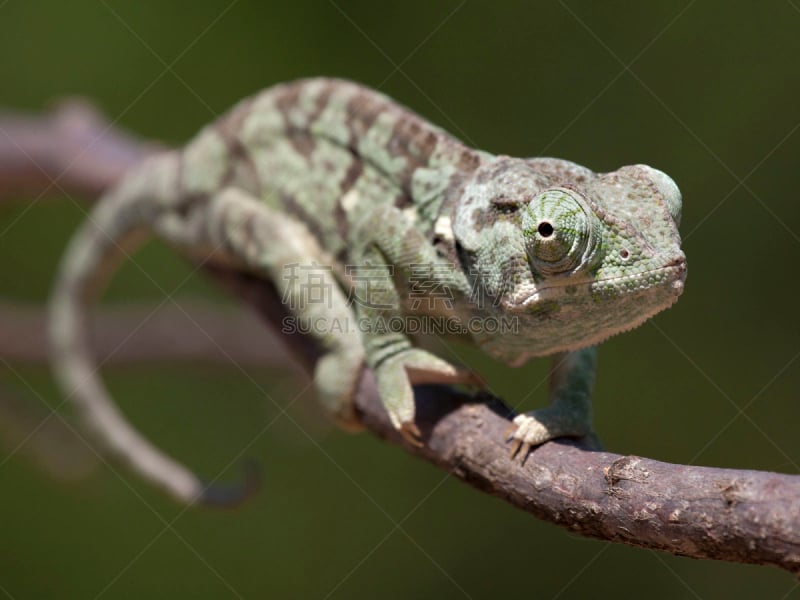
(325, 186)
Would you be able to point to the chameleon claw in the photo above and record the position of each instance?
(515, 446)
(411, 434)
(520, 446)
(520, 450)
(525, 450)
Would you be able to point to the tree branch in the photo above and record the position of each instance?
(725, 514)
(73, 147)
(191, 331)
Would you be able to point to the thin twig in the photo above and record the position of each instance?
(162, 334)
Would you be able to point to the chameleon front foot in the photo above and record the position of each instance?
(540, 426)
(524, 433)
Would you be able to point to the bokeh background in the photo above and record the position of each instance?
(704, 90)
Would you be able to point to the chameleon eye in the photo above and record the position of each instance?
(545, 229)
(559, 230)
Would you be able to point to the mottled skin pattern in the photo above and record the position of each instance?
(326, 172)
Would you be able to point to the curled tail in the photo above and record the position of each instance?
(117, 224)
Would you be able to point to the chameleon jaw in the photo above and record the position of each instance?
(637, 312)
(673, 275)
(590, 340)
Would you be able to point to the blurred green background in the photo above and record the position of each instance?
(706, 91)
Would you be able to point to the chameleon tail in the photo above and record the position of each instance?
(115, 226)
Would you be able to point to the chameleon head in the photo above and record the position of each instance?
(568, 256)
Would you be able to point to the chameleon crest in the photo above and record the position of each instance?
(325, 182)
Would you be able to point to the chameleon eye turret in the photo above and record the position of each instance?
(560, 232)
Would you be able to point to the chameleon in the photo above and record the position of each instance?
(326, 182)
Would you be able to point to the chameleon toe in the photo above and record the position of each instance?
(411, 434)
(515, 446)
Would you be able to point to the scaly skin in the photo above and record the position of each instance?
(323, 185)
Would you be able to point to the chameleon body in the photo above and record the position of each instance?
(326, 181)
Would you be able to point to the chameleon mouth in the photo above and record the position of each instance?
(672, 275)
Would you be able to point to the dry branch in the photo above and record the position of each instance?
(72, 148)
(702, 512)
(185, 331)
(726, 514)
